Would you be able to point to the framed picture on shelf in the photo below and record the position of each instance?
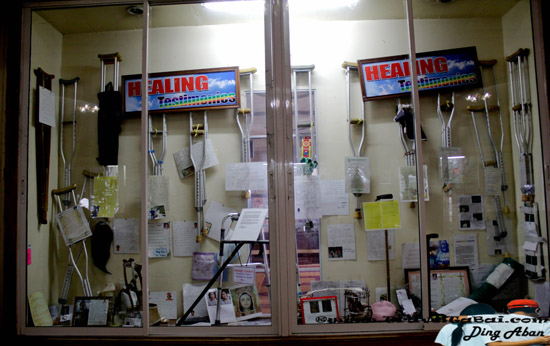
(319, 310)
(446, 284)
(91, 311)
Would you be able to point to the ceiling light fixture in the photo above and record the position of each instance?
(135, 10)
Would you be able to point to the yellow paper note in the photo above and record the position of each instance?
(390, 214)
(372, 216)
(105, 196)
(39, 310)
(381, 215)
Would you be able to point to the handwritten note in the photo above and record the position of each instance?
(334, 199)
(46, 104)
(158, 236)
(307, 197)
(126, 235)
(243, 176)
(251, 221)
(341, 242)
(184, 234)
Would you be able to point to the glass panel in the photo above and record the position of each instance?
(83, 235)
(357, 233)
(486, 168)
(219, 51)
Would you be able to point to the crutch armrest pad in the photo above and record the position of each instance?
(64, 190)
(488, 63)
(69, 81)
(522, 52)
(109, 58)
(482, 108)
(349, 64)
(247, 70)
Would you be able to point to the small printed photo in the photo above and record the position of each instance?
(314, 307)
(478, 216)
(335, 252)
(476, 199)
(464, 208)
(465, 224)
(211, 298)
(225, 296)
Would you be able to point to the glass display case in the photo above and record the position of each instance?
(252, 168)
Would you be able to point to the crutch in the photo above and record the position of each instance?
(67, 162)
(518, 69)
(71, 238)
(106, 60)
(354, 122)
(307, 151)
(404, 110)
(446, 134)
(153, 132)
(496, 151)
(197, 130)
(248, 119)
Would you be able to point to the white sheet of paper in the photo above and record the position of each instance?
(244, 275)
(39, 309)
(249, 225)
(542, 296)
(410, 255)
(465, 249)
(470, 212)
(479, 273)
(214, 216)
(376, 245)
(341, 242)
(166, 302)
(126, 235)
(184, 236)
(307, 197)
(190, 294)
(456, 306)
(334, 199)
(227, 311)
(159, 239)
(46, 104)
(242, 176)
(159, 190)
(493, 181)
(183, 161)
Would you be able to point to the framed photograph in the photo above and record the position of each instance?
(92, 311)
(446, 284)
(246, 302)
(319, 310)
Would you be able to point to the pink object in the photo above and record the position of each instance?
(382, 309)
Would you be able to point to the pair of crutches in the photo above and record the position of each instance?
(496, 149)
(63, 195)
(199, 130)
(75, 212)
(408, 151)
(247, 115)
(354, 122)
(518, 69)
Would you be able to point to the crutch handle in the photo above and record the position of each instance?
(242, 111)
(64, 190)
(487, 63)
(356, 121)
(109, 58)
(69, 81)
(518, 107)
(247, 70)
(349, 64)
(89, 174)
(482, 108)
(522, 52)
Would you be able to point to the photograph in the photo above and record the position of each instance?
(245, 301)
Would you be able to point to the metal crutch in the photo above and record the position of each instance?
(200, 175)
(348, 66)
(523, 129)
(72, 266)
(501, 232)
(153, 132)
(297, 125)
(67, 162)
(248, 119)
(446, 134)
